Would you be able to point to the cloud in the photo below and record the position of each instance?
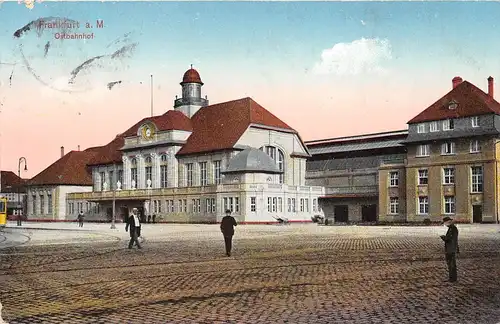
(364, 55)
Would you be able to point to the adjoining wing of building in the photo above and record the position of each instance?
(189, 164)
(195, 161)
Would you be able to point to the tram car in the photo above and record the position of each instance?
(3, 211)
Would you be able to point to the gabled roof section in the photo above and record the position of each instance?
(471, 100)
(71, 169)
(110, 153)
(220, 126)
(11, 182)
(171, 120)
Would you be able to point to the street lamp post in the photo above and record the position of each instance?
(19, 205)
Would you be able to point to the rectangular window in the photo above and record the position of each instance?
(149, 175)
(306, 205)
(447, 148)
(189, 174)
(208, 206)
(280, 204)
(193, 205)
(155, 206)
(301, 204)
(163, 176)
(34, 204)
(253, 204)
(475, 121)
(112, 182)
(49, 204)
(198, 205)
(449, 205)
(214, 206)
(269, 202)
(217, 174)
(394, 205)
(236, 204)
(120, 177)
(168, 206)
(179, 206)
(423, 177)
(102, 178)
(203, 174)
(477, 179)
(423, 205)
(448, 124)
(475, 146)
(448, 176)
(423, 150)
(421, 128)
(185, 205)
(231, 204)
(42, 204)
(394, 179)
(434, 126)
(225, 203)
(293, 205)
(315, 205)
(159, 206)
(172, 207)
(133, 176)
(274, 205)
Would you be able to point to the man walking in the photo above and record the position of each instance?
(227, 228)
(135, 229)
(80, 218)
(451, 248)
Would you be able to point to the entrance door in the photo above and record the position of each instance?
(341, 213)
(477, 213)
(369, 213)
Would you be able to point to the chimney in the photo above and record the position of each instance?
(490, 87)
(78, 147)
(62, 151)
(456, 81)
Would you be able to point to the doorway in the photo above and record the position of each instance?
(341, 213)
(477, 213)
(369, 213)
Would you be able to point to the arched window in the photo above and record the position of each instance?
(163, 171)
(148, 170)
(133, 173)
(279, 157)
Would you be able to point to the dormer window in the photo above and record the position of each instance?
(421, 128)
(475, 121)
(434, 126)
(452, 105)
(448, 124)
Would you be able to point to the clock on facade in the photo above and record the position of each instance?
(147, 132)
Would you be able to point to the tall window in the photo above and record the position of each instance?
(306, 205)
(475, 146)
(112, 182)
(49, 204)
(253, 204)
(477, 179)
(208, 205)
(217, 174)
(42, 204)
(423, 150)
(198, 205)
(163, 171)
(423, 205)
(102, 178)
(421, 128)
(280, 204)
(231, 203)
(214, 205)
(434, 126)
(180, 206)
(34, 205)
(289, 205)
(293, 205)
(475, 121)
(149, 170)
(189, 174)
(394, 205)
(193, 205)
(269, 203)
(279, 157)
(133, 173)
(448, 175)
(448, 148)
(315, 205)
(394, 179)
(301, 204)
(423, 177)
(449, 205)
(448, 124)
(120, 177)
(203, 174)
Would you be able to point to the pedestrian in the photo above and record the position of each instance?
(451, 248)
(80, 218)
(227, 228)
(134, 223)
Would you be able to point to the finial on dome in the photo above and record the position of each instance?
(191, 65)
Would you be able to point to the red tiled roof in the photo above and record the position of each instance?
(220, 126)
(10, 182)
(471, 100)
(71, 169)
(191, 76)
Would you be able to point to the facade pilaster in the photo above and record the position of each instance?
(126, 173)
(155, 158)
(141, 172)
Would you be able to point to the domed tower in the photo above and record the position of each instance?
(191, 99)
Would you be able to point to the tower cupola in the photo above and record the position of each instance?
(191, 100)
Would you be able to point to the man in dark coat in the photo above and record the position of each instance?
(135, 228)
(451, 248)
(227, 228)
(80, 218)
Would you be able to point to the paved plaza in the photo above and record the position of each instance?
(55, 273)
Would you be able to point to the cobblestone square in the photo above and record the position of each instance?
(277, 274)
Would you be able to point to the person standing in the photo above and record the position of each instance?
(134, 223)
(80, 218)
(451, 248)
(227, 228)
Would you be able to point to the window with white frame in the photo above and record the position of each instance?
(253, 204)
(185, 205)
(214, 205)
(42, 204)
(475, 146)
(148, 170)
(217, 173)
(293, 205)
(203, 174)
(155, 206)
(163, 171)
(236, 204)
(208, 206)
(180, 207)
(448, 176)
(301, 204)
(133, 173)
(102, 178)
(269, 203)
(421, 128)
(449, 205)
(475, 121)
(159, 206)
(279, 157)
(434, 126)
(172, 207)
(274, 204)
(193, 205)
(112, 181)
(423, 177)
(289, 205)
(198, 205)
(394, 205)
(306, 205)
(120, 177)
(394, 179)
(448, 124)
(231, 203)
(168, 206)
(189, 174)
(423, 150)
(280, 204)
(477, 179)
(49, 204)
(423, 205)
(315, 205)
(448, 148)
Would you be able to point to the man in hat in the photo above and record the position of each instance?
(227, 228)
(451, 248)
(135, 228)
